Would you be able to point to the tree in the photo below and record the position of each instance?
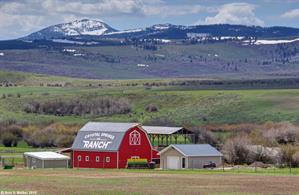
(8, 139)
(235, 150)
(288, 151)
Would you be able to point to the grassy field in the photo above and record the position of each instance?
(90, 181)
(176, 105)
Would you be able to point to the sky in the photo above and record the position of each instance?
(22, 17)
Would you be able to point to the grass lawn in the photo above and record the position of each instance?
(91, 181)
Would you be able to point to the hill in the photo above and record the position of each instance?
(150, 60)
(197, 102)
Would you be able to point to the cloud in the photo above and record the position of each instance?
(101, 7)
(175, 10)
(234, 13)
(291, 14)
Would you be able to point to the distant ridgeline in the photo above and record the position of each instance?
(93, 32)
(92, 49)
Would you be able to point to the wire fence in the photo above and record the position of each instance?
(255, 170)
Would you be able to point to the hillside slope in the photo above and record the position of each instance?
(224, 59)
(192, 106)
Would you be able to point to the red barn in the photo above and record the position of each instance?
(110, 145)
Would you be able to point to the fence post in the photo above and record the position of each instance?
(255, 166)
(222, 159)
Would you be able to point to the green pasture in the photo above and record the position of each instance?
(176, 106)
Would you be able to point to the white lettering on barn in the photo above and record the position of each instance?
(96, 144)
(98, 140)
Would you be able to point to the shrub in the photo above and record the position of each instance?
(55, 135)
(161, 121)
(235, 150)
(98, 106)
(8, 139)
(64, 141)
(284, 133)
(204, 136)
(151, 108)
(295, 158)
(259, 153)
(43, 138)
(15, 130)
(288, 154)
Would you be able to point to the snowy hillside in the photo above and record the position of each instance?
(75, 28)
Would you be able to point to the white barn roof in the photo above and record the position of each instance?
(161, 130)
(47, 155)
(95, 135)
(108, 126)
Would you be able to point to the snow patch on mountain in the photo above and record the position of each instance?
(76, 28)
(272, 42)
(268, 41)
(83, 27)
(74, 42)
(126, 31)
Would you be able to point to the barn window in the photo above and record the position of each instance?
(97, 159)
(79, 158)
(86, 158)
(107, 159)
(134, 138)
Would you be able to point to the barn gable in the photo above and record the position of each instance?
(98, 136)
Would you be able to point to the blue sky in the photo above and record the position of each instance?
(21, 17)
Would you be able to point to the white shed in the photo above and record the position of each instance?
(189, 156)
(46, 160)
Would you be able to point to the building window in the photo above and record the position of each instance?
(183, 163)
(79, 158)
(107, 159)
(134, 138)
(86, 158)
(97, 159)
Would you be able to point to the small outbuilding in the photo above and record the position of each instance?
(46, 160)
(189, 156)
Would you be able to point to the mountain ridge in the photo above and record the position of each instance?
(74, 28)
(95, 28)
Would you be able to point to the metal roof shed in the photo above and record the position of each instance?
(46, 160)
(162, 136)
(195, 156)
